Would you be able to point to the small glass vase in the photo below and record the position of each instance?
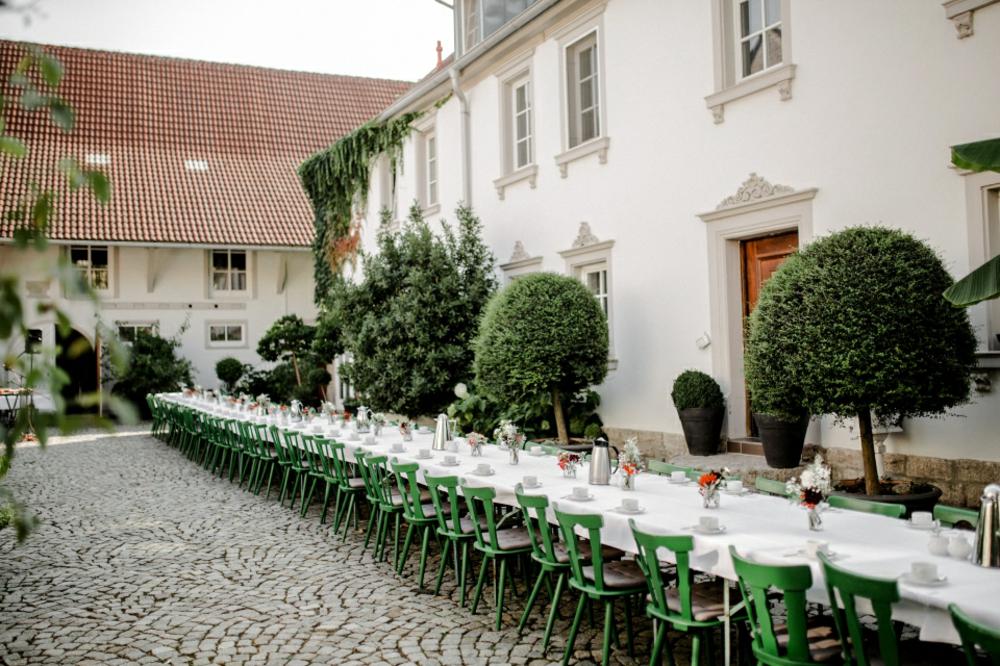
(710, 498)
(377, 429)
(514, 455)
(569, 471)
(477, 450)
(628, 482)
(815, 520)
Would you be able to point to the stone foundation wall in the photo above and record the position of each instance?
(961, 481)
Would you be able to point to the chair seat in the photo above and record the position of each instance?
(706, 601)
(823, 642)
(620, 575)
(397, 500)
(355, 482)
(608, 553)
(513, 538)
(465, 524)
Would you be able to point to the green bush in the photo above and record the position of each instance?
(475, 412)
(410, 323)
(854, 324)
(229, 370)
(6, 516)
(544, 334)
(153, 367)
(694, 389)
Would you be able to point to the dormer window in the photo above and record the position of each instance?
(229, 270)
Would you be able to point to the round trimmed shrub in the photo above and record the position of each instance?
(854, 324)
(544, 333)
(694, 389)
(229, 371)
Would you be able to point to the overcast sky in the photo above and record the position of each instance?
(383, 38)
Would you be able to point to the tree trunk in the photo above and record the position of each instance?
(561, 430)
(298, 376)
(868, 451)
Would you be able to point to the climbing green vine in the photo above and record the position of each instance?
(336, 180)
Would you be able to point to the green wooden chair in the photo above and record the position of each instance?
(866, 506)
(848, 587)
(320, 471)
(600, 581)
(976, 636)
(350, 488)
(771, 486)
(268, 457)
(390, 506)
(796, 641)
(458, 531)
(695, 608)
(953, 516)
(300, 465)
(418, 516)
(285, 461)
(664, 468)
(496, 545)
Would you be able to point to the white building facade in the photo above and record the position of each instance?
(670, 153)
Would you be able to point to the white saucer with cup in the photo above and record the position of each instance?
(630, 505)
(580, 494)
(530, 481)
(925, 574)
(735, 487)
(424, 454)
(397, 447)
(678, 477)
(484, 469)
(922, 520)
(535, 450)
(709, 525)
(450, 460)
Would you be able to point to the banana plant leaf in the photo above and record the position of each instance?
(981, 284)
(977, 156)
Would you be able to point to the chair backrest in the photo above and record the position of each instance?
(665, 468)
(409, 489)
(792, 581)
(448, 486)
(377, 478)
(844, 588)
(337, 454)
(591, 524)
(370, 493)
(534, 508)
(866, 506)
(648, 546)
(322, 460)
(771, 486)
(279, 444)
(479, 501)
(975, 635)
(292, 447)
(953, 516)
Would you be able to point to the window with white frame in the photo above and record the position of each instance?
(520, 130)
(595, 276)
(127, 330)
(759, 35)
(229, 270)
(583, 90)
(481, 18)
(431, 169)
(92, 263)
(589, 261)
(227, 334)
(470, 19)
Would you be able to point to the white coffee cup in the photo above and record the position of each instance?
(370, 439)
(530, 481)
(630, 504)
(397, 447)
(678, 477)
(734, 485)
(335, 432)
(814, 548)
(452, 446)
(424, 453)
(922, 518)
(483, 468)
(354, 436)
(708, 523)
(450, 459)
(535, 450)
(925, 572)
(581, 492)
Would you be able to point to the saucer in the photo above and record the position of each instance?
(922, 528)
(534, 487)
(737, 493)
(398, 451)
(627, 512)
(427, 457)
(679, 483)
(451, 464)
(541, 453)
(701, 530)
(802, 552)
(910, 580)
(588, 498)
(476, 472)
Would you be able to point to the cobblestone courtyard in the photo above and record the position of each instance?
(144, 557)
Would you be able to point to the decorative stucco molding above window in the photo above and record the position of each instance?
(520, 263)
(528, 173)
(589, 260)
(756, 193)
(961, 13)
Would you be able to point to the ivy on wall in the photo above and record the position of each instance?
(336, 180)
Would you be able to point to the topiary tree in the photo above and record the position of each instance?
(229, 370)
(288, 339)
(545, 333)
(153, 367)
(694, 389)
(854, 324)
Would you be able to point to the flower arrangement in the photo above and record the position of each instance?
(476, 442)
(811, 489)
(507, 435)
(406, 431)
(568, 462)
(630, 463)
(378, 422)
(708, 488)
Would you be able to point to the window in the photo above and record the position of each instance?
(481, 18)
(127, 330)
(759, 35)
(229, 270)
(522, 153)
(982, 194)
(227, 334)
(432, 170)
(589, 260)
(596, 279)
(471, 22)
(91, 261)
(583, 91)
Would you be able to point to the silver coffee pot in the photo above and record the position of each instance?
(442, 433)
(600, 462)
(296, 410)
(363, 418)
(986, 552)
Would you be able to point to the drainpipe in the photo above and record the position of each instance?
(463, 102)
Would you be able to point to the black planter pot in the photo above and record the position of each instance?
(702, 429)
(782, 440)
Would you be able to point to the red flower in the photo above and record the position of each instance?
(709, 479)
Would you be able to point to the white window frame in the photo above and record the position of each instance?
(229, 271)
(512, 77)
(226, 344)
(729, 83)
(472, 25)
(576, 106)
(426, 128)
(514, 114)
(762, 33)
(87, 268)
(151, 324)
(982, 199)
(432, 193)
(586, 259)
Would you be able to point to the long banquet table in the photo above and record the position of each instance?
(769, 529)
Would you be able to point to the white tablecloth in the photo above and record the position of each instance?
(767, 528)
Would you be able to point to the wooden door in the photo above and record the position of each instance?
(759, 258)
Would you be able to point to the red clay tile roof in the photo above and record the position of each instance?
(150, 115)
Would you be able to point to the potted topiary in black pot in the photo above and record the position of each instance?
(701, 407)
(782, 436)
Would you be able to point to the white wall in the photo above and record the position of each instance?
(882, 90)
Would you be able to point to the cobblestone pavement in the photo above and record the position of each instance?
(144, 557)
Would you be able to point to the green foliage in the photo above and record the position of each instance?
(410, 323)
(229, 370)
(856, 321)
(977, 156)
(7, 516)
(289, 337)
(982, 284)
(293, 341)
(328, 343)
(542, 332)
(694, 388)
(475, 412)
(154, 367)
(337, 180)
